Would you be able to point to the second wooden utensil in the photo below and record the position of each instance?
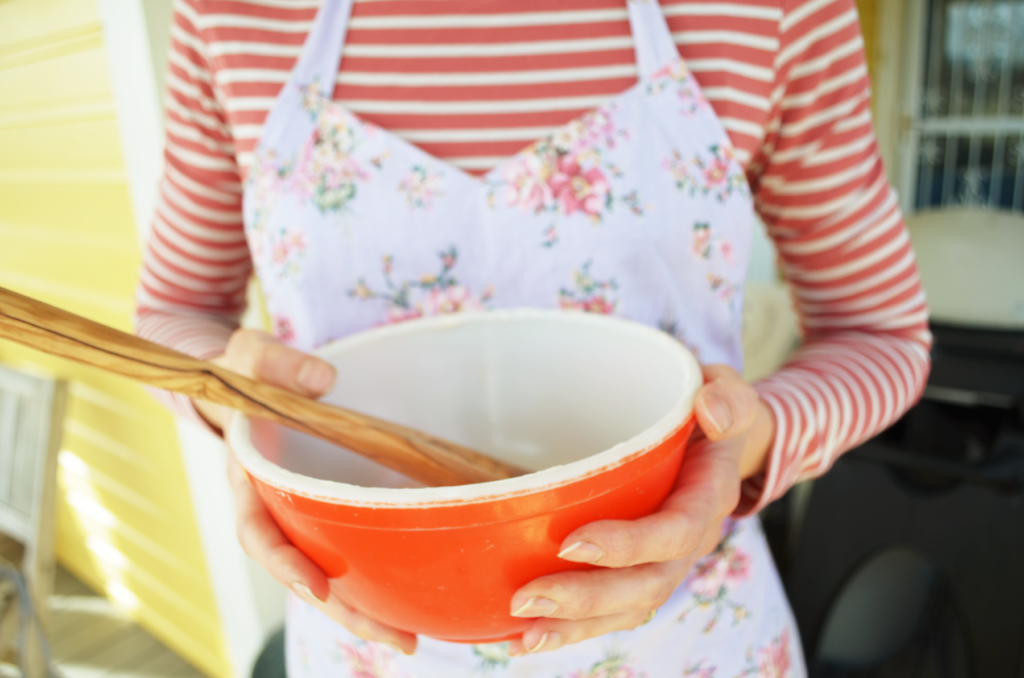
(416, 454)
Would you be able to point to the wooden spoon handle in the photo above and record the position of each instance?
(420, 456)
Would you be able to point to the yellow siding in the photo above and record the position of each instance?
(867, 9)
(125, 520)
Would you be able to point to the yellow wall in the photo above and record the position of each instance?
(125, 520)
(868, 12)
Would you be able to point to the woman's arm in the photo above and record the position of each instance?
(192, 292)
(196, 265)
(820, 187)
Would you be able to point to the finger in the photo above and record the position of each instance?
(707, 491)
(365, 627)
(263, 541)
(599, 593)
(550, 634)
(726, 405)
(262, 357)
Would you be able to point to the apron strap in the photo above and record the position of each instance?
(321, 55)
(652, 38)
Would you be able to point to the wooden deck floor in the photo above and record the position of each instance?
(90, 638)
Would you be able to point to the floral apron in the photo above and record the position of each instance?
(638, 208)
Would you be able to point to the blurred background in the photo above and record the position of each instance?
(151, 580)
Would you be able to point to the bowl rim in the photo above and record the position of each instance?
(335, 492)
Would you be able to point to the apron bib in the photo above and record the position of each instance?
(638, 208)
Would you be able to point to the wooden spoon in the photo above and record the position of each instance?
(416, 454)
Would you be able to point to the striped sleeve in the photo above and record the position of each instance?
(821, 190)
(196, 265)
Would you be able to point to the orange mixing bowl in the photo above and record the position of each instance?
(599, 407)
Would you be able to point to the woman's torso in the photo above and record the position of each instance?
(638, 208)
(537, 67)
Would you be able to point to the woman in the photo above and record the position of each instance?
(394, 184)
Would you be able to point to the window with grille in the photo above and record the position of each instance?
(966, 106)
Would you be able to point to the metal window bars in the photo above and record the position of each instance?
(966, 105)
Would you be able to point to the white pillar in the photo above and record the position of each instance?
(250, 603)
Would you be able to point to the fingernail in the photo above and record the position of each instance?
(398, 648)
(717, 412)
(549, 641)
(537, 607)
(582, 552)
(315, 376)
(304, 592)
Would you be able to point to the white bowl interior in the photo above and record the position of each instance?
(537, 389)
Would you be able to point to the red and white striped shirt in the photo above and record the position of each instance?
(475, 81)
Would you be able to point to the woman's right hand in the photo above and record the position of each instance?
(260, 356)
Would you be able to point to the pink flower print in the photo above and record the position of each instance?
(550, 236)
(369, 660)
(674, 74)
(675, 70)
(699, 670)
(526, 184)
(725, 290)
(312, 97)
(326, 174)
(722, 174)
(283, 329)
(693, 99)
(567, 171)
(286, 250)
(280, 253)
(678, 167)
(432, 294)
(335, 123)
(493, 657)
(632, 201)
(726, 248)
(704, 244)
(325, 170)
(714, 578)
(614, 664)
(701, 245)
(716, 172)
(454, 299)
(595, 304)
(264, 175)
(737, 568)
(577, 190)
(397, 314)
(420, 187)
(581, 137)
(590, 295)
(708, 578)
(773, 659)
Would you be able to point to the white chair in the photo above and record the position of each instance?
(31, 422)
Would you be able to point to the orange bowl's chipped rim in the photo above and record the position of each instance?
(239, 431)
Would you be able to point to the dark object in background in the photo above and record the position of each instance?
(270, 663)
(910, 561)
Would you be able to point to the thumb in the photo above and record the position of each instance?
(264, 358)
(726, 405)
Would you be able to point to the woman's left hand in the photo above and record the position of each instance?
(641, 562)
